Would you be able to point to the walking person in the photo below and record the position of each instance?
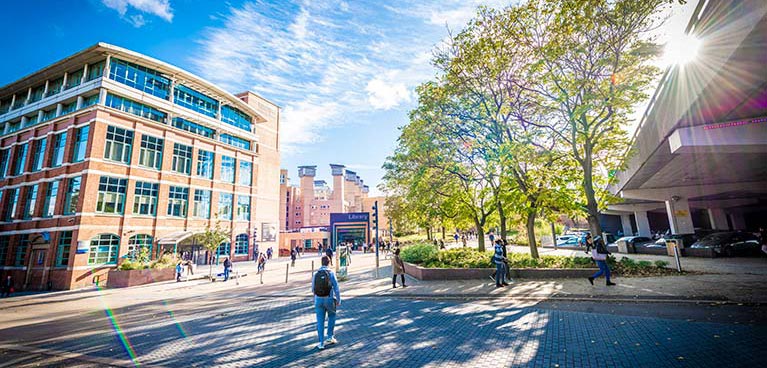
(327, 298)
(319, 249)
(492, 239)
(7, 287)
(178, 272)
(463, 240)
(599, 253)
(500, 266)
(293, 253)
(397, 268)
(227, 267)
(261, 262)
(269, 253)
(329, 254)
(455, 236)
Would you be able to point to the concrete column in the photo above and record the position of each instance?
(64, 82)
(643, 224)
(718, 219)
(738, 221)
(85, 74)
(45, 91)
(679, 216)
(59, 107)
(626, 223)
(80, 101)
(102, 96)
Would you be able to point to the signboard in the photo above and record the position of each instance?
(268, 231)
(83, 246)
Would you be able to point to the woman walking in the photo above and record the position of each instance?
(397, 268)
(599, 253)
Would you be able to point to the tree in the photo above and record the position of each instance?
(211, 239)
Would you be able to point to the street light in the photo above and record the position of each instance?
(375, 223)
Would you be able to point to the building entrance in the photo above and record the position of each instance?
(349, 228)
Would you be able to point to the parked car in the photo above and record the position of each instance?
(687, 240)
(572, 242)
(730, 243)
(562, 239)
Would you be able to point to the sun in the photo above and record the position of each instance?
(681, 50)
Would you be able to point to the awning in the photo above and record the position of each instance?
(175, 238)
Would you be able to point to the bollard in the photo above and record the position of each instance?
(287, 268)
(237, 275)
(676, 257)
(262, 277)
(312, 267)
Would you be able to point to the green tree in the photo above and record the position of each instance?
(211, 239)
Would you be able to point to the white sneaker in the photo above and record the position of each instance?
(331, 341)
(320, 346)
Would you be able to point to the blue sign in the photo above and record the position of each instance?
(349, 217)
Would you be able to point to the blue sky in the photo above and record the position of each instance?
(343, 71)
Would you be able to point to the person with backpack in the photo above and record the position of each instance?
(327, 298)
(397, 268)
(227, 268)
(599, 253)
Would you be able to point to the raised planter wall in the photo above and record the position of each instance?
(119, 279)
(426, 274)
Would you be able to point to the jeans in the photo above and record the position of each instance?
(323, 305)
(500, 273)
(603, 270)
(226, 273)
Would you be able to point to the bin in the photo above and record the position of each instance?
(670, 244)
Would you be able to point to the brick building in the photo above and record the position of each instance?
(109, 151)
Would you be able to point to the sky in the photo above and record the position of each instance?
(343, 72)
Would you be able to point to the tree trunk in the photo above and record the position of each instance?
(531, 233)
(592, 208)
(443, 232)
(502, 217)
(480, 235)
(428, 233)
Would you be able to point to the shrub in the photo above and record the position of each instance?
(461, 258)
(128, 264)
(644, 264)
(419, 253)
(661, 264)
(166, 261)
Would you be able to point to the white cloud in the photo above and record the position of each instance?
(386, 95)
(137, 20)
(159, 8)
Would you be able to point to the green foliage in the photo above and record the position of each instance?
(128, 264)
(418, 253)
(461, 258)
(166, 261)
(210, 239)
(661, 264)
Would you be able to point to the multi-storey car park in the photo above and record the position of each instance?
(109, 151)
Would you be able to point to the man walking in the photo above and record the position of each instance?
(227, 266)
(7, 287)
(500, 266)
(327, 298)
(329, 254)
(293, 253)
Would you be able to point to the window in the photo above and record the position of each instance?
(90, 101)
(145, 199)
(205, 164)
(21, 250)
(182, 159)
(193, 100)
(227, 169)
(5, 105)
(243, 208)
(234, 141)
(119, 144)
(38, 155)
(29, 205)
(21, 98)
(51, 193)
(177, 201)
(224, 249)
(54, 86)
(67, 108)
(74, 79)
(62, 251)
(235, 117)
(4, 158)
(135, 108)
(111, 196)
(13, 200)
(150, 154)
(37, 93)
(104, 249)
(4, 240)
(241, 244)
(201, 204)
(246, 173)
(20, 160)
(72, 196)
(14, 126)
(81, 142)
(95, 70)
(49, 114)
(225, 206)
(32, 120)
(59, 142)
(137, 242)
(139, 77)
(193, 127)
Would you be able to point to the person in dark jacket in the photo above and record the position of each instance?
(7, 286)
(500, 266)
(397, 268)
(599, 253)
(293, 253)
(329, 254)
(227, 267)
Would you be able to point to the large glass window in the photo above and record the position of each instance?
(21, 250)
(104, 248)
(118, 145)
(193, 127)
(81, 142)
(182, 158)
(54, 86)
(224, 249)
(241, 244)
(111, 196)
(145, 199)
(62, 250)
(38, 155)
(225, 206)
(150, 154)
(235, 117)
(90, 101)
(32, 119)
(227, 169)
(201, 204)
(37, 93)
(74, 79)
(4, 158)
(234, 141)
(73, 195)
(95, 70)
(191, 99)
(205, 164)
(49, 114)
(178, 199)
(31, 202)
(243, 208)
(135, 108)
(59, 143)
(13, 201)
(4, 244)
(139, 77)
(51, 194)
(20, 159)
(246, 173)
(137, 242)
(67, 108)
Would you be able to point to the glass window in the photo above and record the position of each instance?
(67, 108)
(21, 98)
(243, 208)
(150, 154)
(81, 143)
(193, 127)
(235, 117)
(139, 77)
(51, 193)
(234, 141)
(119, 144)
(135, 108)
(224, 249)
(74, 79)
(31, 202)
(4, 244)
(32, 119)
(21, 250)
(62, 250)
(59, 142)
(20, 162)
(193, 100)
(205, 164)
(225, 206)
(111, 196)
(95, 70)
(137, 242)
(90, 101)
(49, 114)
(227, 169)
(54, 86)
(4, 158)
(5, 105)
(182, 158)
(13, 199)
(37, 93)
(104, 248)
(38, 155)
(241, 244)
(246, 173)
(72, 196)
(201, 203)
(14, 126)
(145, 199)
(177, 201)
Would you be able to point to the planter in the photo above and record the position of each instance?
(425, 274)
(119, 279)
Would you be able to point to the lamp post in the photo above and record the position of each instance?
(375, 223)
